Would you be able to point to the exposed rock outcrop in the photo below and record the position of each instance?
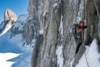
(9, 14)
(27, 28)
(29, 31)
(31, 8)
(9, 20)
(55, 18)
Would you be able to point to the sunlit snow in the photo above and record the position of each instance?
(59, 53)
(61, 27)
(6, 29)
(6, 56)
(92, 56)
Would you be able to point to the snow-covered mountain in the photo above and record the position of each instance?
(9, 20)
(13, 41)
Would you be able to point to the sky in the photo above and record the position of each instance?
(17, 6)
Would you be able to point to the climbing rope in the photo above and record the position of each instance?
(86, 58)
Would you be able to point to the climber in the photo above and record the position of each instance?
(77, 33)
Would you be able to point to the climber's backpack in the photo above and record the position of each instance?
(74, 31)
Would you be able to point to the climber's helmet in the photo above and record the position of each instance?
(81, 23)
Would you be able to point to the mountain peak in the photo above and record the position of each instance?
(9, 14)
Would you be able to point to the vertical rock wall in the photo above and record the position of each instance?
(55, 18)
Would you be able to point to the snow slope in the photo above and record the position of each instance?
(92, 55)
(6, 56)
(6, 29)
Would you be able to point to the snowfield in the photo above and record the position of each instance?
(92, 55)
(6, 56)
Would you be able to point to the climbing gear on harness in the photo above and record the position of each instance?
(76, 37)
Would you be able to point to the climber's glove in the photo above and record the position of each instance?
(84, 27)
